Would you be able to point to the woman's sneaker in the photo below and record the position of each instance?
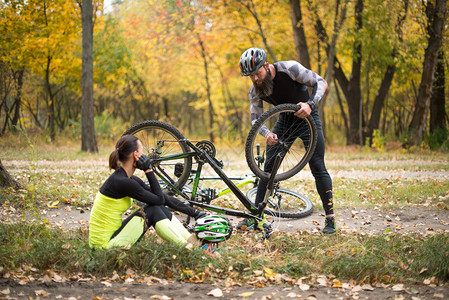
(329, 226)
(246, 224)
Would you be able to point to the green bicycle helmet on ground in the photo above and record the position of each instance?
(212, 229)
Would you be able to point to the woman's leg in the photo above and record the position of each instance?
(181, 229)
(168, 230)
(131, 231)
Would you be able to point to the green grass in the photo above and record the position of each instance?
(382, 258)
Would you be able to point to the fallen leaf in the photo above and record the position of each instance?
(437, 295)
(42, 293)
(57, 278)
(247, 294)
(23, 281)
(337, 284)
(115, 277)
(304, 287)
(322, 281)
(107, 284)
(53, 204)
(6, 291)
(216, 293)
(129, 280)
(357, 288)
(292, 295)
(367, 287)
(269, 272)
(398, 287)
(159, 297)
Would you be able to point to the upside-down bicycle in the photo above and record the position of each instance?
(173, 156)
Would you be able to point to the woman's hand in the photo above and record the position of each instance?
(144, 163)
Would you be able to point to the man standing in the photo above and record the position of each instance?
(288, 82)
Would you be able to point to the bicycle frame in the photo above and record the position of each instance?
(202, 158)
(240, 181)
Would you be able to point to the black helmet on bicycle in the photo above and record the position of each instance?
(251, 60)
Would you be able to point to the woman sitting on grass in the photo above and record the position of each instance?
(106, 229)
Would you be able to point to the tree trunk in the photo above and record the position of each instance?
(342, 110)
(50, 101)
(354, 91)
(435, 25)
(6, 180)
(18, 98)
(350, 88)
(437, 101)
(302, 51)
(88, 139)
(206, 77)
(338, 22)
(379, 100)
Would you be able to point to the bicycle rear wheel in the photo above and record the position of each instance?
(296, 138)
(159, 140)
(285, 204)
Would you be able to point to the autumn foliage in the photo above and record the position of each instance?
(177, 61)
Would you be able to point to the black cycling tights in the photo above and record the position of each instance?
(323, 180)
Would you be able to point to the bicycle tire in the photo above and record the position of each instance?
(160, 139)
(298, 154)
(292, 204)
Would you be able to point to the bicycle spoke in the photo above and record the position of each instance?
(285, 203)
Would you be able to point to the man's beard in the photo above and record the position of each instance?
(264, 89)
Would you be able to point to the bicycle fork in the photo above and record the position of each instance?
(266, 230)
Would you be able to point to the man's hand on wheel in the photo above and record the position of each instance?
(304, 111)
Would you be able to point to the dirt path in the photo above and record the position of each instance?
(368, 220)
(96, 290)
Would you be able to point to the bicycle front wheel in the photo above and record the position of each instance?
(297, 139)
(285, 204)
(160, 140)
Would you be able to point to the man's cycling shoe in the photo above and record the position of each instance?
(266, 229)
(246, 224)
(330, 227)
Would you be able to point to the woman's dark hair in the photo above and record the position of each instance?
(126, 145)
